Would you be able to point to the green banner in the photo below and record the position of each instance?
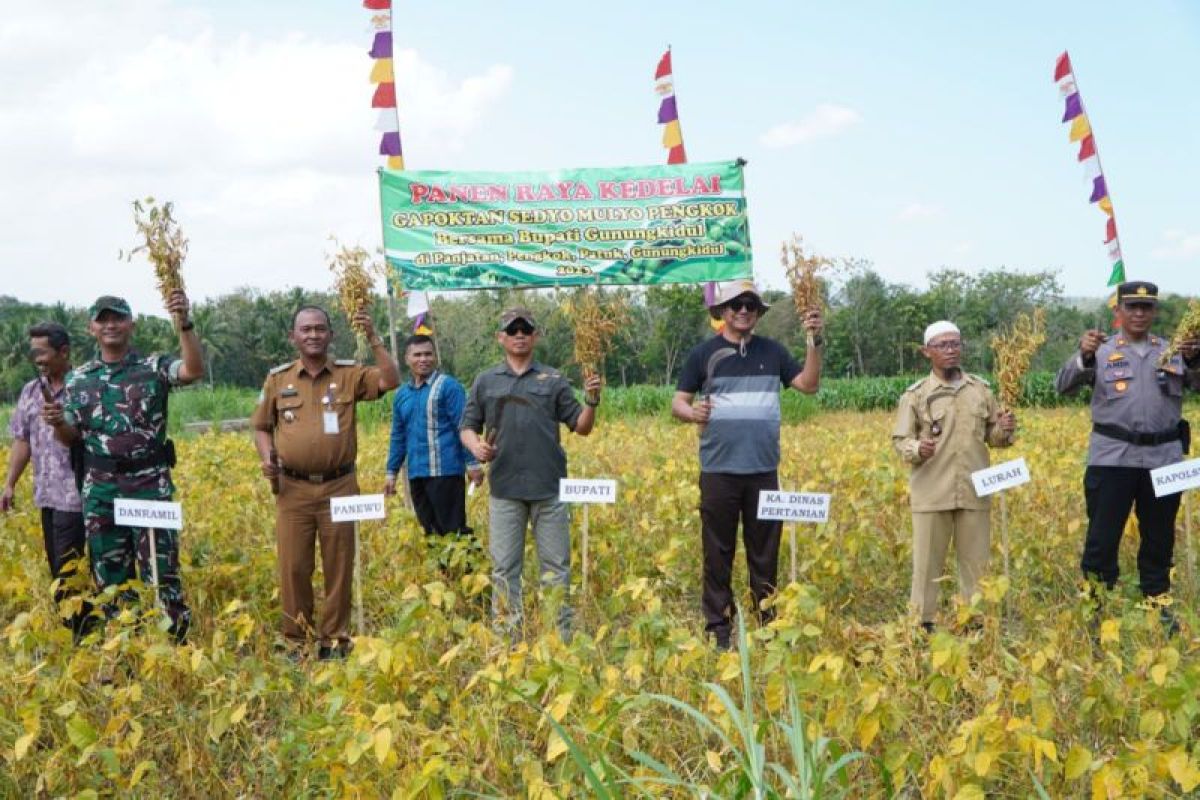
(682, 223)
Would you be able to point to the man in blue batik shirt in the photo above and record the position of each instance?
(426, 414)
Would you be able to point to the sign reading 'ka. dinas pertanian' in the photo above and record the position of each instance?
(680, 223)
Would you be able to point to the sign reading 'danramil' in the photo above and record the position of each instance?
(587, 490)
(1000, 477)
(793, 506)
(1175, 478)
(356, 507)
(147, 514)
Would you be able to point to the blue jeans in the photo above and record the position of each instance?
(551, 522)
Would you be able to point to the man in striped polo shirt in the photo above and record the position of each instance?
(730, 387)
(426, 414)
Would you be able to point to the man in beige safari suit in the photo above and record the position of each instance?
(944, 424)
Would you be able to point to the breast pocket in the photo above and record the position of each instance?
(288, 409)
(542, 395)
(1117, 384)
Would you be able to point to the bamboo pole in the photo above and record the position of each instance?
(358, 601)
(585, 547)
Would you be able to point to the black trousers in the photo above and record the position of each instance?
(1110, 492)
(724, 500)
(441, 504)
(64, 539)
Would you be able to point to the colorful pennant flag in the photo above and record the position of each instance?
(1081, 131)
(383, 75)
(668, 111)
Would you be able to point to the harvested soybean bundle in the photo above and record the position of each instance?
(802, 272)
(353, 280)
(596, 322)
(163, 243)
(1189, 328)
(1014, 351)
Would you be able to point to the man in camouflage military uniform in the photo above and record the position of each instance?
(117, 403)
(1137, 426)
(944, 424)
(305, 433)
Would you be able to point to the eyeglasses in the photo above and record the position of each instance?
(519, 327)
(753, 306)
(946, 346)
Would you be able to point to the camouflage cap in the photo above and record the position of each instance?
(109, 303)
(511, 315)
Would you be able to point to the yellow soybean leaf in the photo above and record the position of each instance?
(1183, 770)
(555, 747)
(238, 714)
(383, 744)
(1078, 760)
(1158, 674)
(970, 791)
(868, 729)
(1110, 631)
(983, 762)
(1151, 724)
(714, 760)
(22, 745)
(558, 708)
(139, 772)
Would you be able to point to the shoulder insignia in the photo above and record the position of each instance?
(978, 378)
(89, 366)
(345, 362)
(281, 368)
(913, 386)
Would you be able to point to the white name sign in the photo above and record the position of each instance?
(587, 490)
(356, 507)
(147, 513)
(1175, 478)
(793, 506)
(1000, 477)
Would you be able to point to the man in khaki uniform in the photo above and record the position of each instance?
(944, 424)
(305, 435)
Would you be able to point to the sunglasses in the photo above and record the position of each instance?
(752, 306)
(520, 327)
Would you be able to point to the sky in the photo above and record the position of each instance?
(916, 136)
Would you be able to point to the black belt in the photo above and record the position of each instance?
(319, 477)
(1176, 434)
(159, 456)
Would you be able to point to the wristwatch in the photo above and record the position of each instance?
(376, 342)
(818, 340)
(187, 326)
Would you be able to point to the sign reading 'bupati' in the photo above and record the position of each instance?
(682, 223)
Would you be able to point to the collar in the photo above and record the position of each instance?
(503, 368)
(433, 376)
(130, 357)
(963, 379)
(298, 368)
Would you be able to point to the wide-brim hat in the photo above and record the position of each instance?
(731, 290)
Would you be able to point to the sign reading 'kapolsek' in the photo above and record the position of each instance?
(677, 223)
(1175, 478)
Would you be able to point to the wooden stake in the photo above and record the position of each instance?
(358, 602)
(1190, 551)
(792, 544)
(585, 547)
(1004, 548)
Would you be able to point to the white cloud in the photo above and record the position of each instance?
(824, 121)
(918, 211)
(266, 143)
(1177, 245)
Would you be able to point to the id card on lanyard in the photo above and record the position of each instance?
(329, 416)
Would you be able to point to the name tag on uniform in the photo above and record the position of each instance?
(331, 421)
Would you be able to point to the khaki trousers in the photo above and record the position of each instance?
(970, 530)
(301, 518)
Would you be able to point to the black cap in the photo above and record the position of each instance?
(1137, 292)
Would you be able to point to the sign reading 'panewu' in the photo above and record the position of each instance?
(793, 506)
(147, 514)
(357, 507)
(679, 223)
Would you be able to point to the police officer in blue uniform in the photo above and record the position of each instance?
(1137, 426)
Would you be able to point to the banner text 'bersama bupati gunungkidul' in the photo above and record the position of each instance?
(682, 223)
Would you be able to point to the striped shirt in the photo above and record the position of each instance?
(425, 422)
(742, 434)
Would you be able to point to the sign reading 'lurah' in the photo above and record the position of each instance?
(357, 507)
(1000, 477)
(147, 514)
(1175, 478)
(793, 506)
